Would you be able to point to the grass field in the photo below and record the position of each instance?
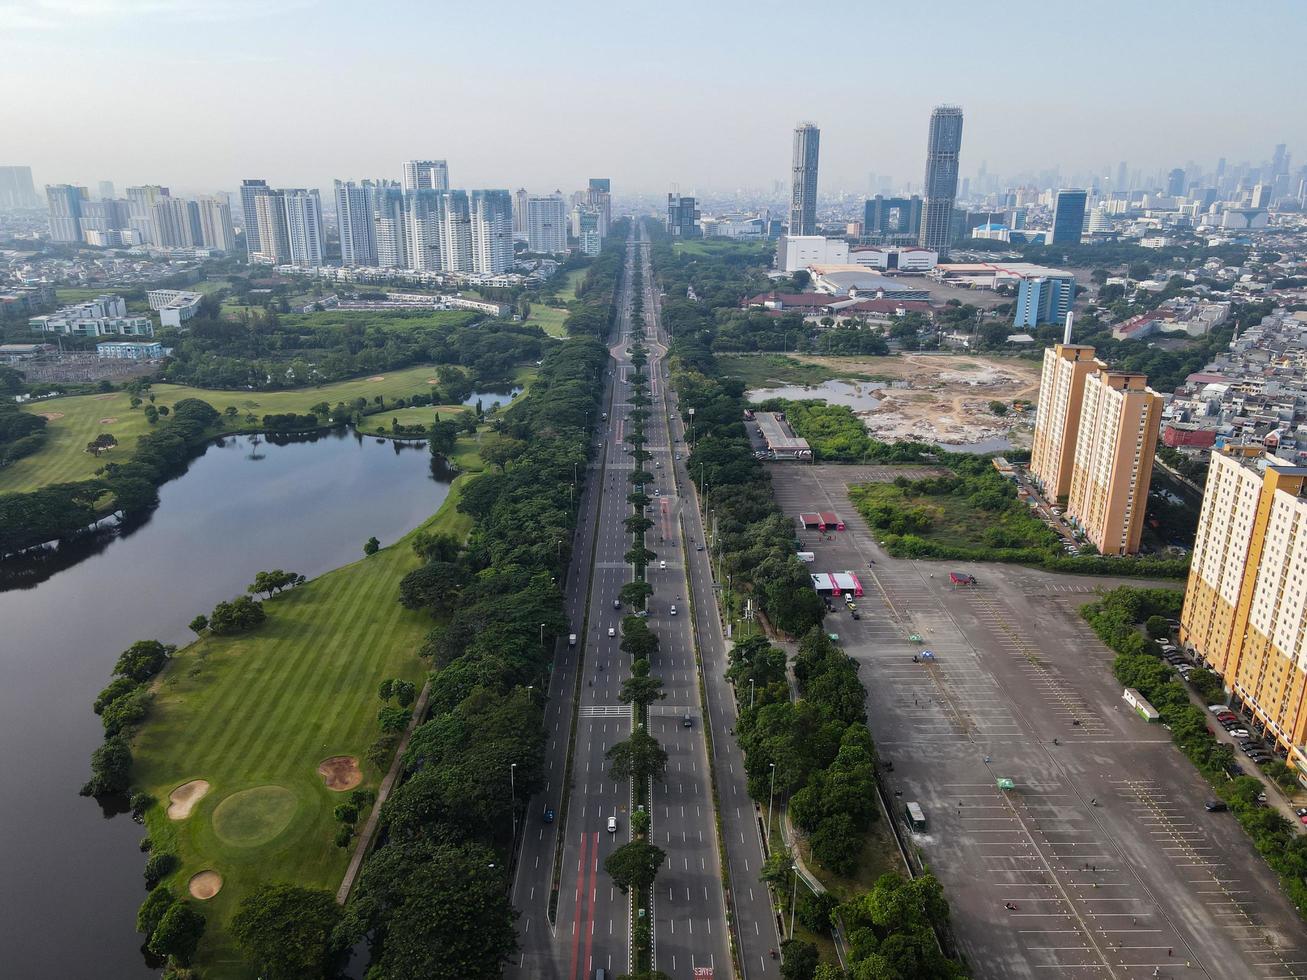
(549, 319)
(568, 292)
(64, 458)
(255, 715)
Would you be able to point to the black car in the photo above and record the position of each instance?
(548, 815)
(1215, 806)
(855, 614)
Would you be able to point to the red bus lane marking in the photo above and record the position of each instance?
(590, 915)
(576, 918)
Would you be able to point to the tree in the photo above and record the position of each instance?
(443, 437)
(798, 960)
(634, 865)
(142, 660)
(637, 758)
(178, 933)
(239, 615)
(199, 624)
(151, 912)
(435, 586)
(635, 593)
(640, 689)
(1157, 627)
(371, 546)
(285, 931)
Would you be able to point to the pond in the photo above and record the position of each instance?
(856, 394)
(71, 880)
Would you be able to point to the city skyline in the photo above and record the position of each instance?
(734, 141)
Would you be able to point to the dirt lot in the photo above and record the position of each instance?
(944, 398)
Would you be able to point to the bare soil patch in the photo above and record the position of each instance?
(377, 377)
(182, 800)
(204, 885)
(100, 398)
(340, 772)
(432, 381)
(51, 416)
(109, 421)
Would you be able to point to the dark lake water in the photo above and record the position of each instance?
(70, 878)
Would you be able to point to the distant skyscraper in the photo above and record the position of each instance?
(358, 238)
(65, 211)
(600, 197)
(391, 226)
(683, 217)
(215, 223)
(250, 192)
(1122, 183)
(519, 212)
(892, 217)
(943, 148)
(492, 230)
(106, 190)
(141, 201)
(1280, 160)
(432, 175)
(803, 180)
(1261, 196)
(270, 224)
(1175, 183)
(1068, 217)
(304, 226)
(586, 220)
(17, 189)
(546, 223)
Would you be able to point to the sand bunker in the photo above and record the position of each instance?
(432, 381)
(377, 377)
(340, 772)
(204, 885)
(182, 800)
(109, 421)
(51, 415)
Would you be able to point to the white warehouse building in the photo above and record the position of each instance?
(795, 252)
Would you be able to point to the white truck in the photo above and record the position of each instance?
(571, 639)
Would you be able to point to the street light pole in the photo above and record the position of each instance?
(542, 634)
(512, 802)
(770, 798)
(794, 888)
(750, 693)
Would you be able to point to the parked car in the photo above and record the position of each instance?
(1239, 732)
(1215, 806)
(855, 614)
(1217, 709)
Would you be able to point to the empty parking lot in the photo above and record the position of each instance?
(1101, 861)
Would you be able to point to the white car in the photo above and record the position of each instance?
(612, 631)
(612, 825)
(673, 610)
(662, 565)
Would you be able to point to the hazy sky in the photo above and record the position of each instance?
(197, 94)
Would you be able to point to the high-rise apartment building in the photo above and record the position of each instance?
(1068, 217)
(427, 175)
(17, 189)
(546, 223)
(1044, 298)
(251, 190)
(1280, 160)
(177, 223)
(1057, 416)
(270, 228)
(104, 221)
(425, 210)
(65, 201)
(803, 180)
(683, 217)
(391, 226)
(456, 233)
(891, 218)
(586, 221)
(1245, 605)
(106, 190)
(943, 150)
(1260, 196)
(492, 230)
(1175, 183)
(141, 201)
(215, 224)
(358, 238)
(304, 226)
(1120, 417)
